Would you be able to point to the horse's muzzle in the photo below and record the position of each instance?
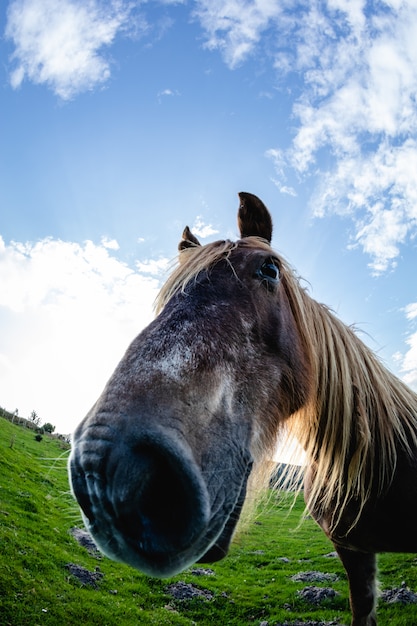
(145, 501)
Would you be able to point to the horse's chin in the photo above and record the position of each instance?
(152, 563)
(220, 548)
(162, 563)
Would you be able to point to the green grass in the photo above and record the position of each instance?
(250, 586)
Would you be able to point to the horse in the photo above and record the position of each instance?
(238, 354)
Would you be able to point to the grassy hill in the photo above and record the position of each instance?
(40, 559)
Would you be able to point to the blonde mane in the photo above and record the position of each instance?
(359, 414)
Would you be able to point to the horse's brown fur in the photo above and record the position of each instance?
(353, 397)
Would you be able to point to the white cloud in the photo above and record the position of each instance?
(235, 27)
(356, 110)
(359, 104)
(68, 312)
(289, 191)
(111, 244)
(411, 311)
(61, 43)
(408, 361)
(378, 191)
(167, 93)
(278, 158)
(409, 364)
(155, 267)
(201, 229)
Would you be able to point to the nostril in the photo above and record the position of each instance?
(157, 499)
(158, 485)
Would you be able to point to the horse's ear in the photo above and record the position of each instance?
(188, 240)
(253, 217)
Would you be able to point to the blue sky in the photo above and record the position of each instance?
(123, 121)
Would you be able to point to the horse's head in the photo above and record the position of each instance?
(160, 464)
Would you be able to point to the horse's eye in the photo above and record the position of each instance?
(269, 274)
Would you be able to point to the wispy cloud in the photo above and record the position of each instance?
(68, 312)
(157, 268)
(164, 93)
(408, 360)
(409, 363)
(359, 106)
(62, 44)
(356, 104)
(279, 159)
(111, 244)
(201, 229)
(235, 27)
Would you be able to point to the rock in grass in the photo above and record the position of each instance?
(87, 578)
(309, 623)
(314, 577)
(85, 540)
(202, 571)
(188, 591)
(400, 595)
(316, 595)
